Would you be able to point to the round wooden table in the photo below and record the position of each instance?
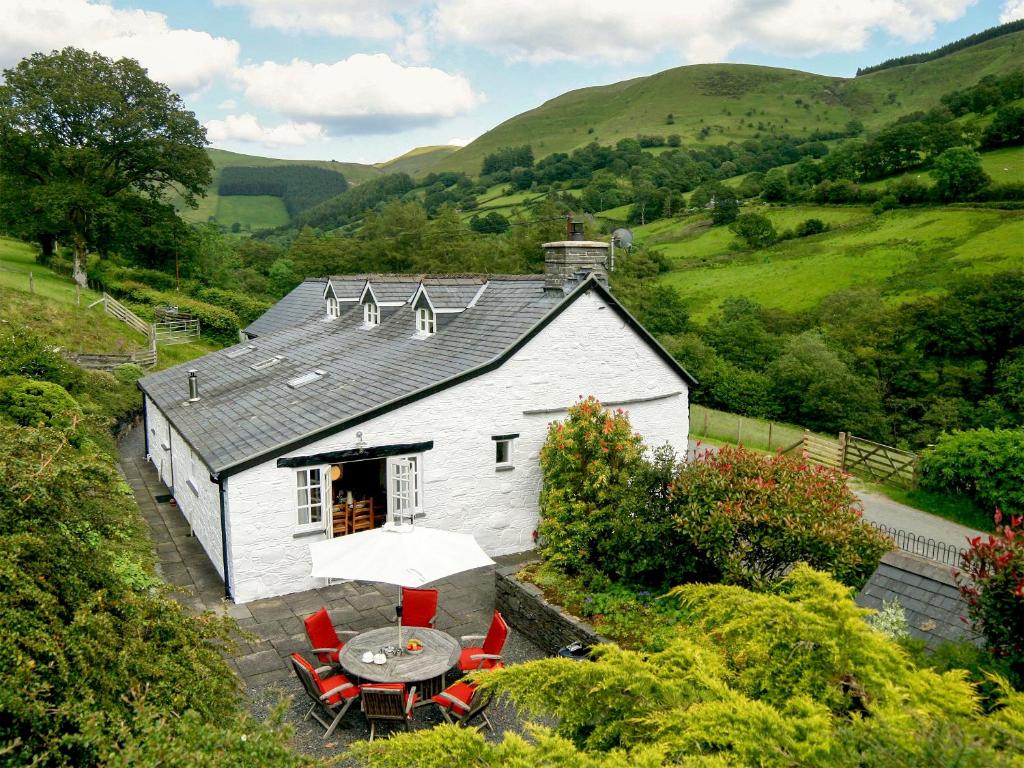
(426, 670)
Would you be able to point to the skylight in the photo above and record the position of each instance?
(306, 378)
(241, 351)
(266, 363)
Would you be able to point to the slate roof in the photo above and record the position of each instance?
(303, 304)
(247, 416)
(927, 592)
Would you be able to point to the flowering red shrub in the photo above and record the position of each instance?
(992, 583)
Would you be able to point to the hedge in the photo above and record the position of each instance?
(246, 307)
(985, 464)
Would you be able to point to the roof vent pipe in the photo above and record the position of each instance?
(193, 386)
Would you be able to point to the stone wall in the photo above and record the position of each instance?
(523, 606)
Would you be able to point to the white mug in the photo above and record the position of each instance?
(368, 657)
(380, 658)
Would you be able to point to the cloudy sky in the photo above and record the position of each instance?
(366, 80)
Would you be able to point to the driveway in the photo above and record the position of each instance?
(275, 628)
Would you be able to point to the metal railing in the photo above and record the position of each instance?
(922, 546)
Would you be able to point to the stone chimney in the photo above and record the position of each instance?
(567, 261)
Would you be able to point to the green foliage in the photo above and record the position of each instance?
(734, 515)
(128, 373)
(992, 583)
(755, 230)
(507, 158)
(891, 620)
(300, 186)
(726, 210)
(587, 463)
(493, 223)
(215, 322)
(23, 353)
(958, 173)
(957, 45)
(243, 305)
(790, 677)
(986, 465)
(809, 227)
(32, 403)
(1006, 128)
(747, 520)
(352, 205)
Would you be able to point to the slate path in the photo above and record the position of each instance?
(466, 604)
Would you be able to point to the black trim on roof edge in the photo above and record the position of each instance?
(591, 283)
(354, 454)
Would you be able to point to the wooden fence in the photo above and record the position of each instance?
(125, 315)
(175, 331)
(864, 458)
(146, 358)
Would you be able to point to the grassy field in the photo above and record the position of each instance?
(903, 254)
(254, 215)
(735, 102)
(1002, 165)
(52, 311)
(252, 211)
(759, 434)
(418, 161)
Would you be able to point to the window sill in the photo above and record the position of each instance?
(504, 467)
(311, 532)
(192, 487)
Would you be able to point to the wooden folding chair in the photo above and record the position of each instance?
(461, 703)
(387, 702)
(331, 696)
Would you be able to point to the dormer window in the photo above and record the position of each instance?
(426, 325)
(333, 307)
(371, 314)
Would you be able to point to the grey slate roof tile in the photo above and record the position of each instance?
(301, 305)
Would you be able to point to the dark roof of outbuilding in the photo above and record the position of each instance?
(927, 592)
(247, 416)
(303, 304)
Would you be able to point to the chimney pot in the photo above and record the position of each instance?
(566, 260)
(193, 385)
(576, 231)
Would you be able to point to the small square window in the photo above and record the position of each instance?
(371, 314)
(503, 453)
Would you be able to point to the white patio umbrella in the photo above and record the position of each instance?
(405, 555)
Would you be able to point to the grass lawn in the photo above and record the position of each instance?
(720, 427)
(1004, 166)
(254, 211)
(51, 311)
(903, 253)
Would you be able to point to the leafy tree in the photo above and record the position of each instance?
(282, 276)
(992, 583)
(755, 230)
(491, 223)
(809, 227)
(775, 187)
(958, 173)
(1006, 128)
(726, 209)
(80, 132)
(663, 310)
(986, 465)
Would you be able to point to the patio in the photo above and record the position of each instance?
(465, 607)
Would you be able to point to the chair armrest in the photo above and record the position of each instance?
(347, 632)
(337, 689)
(410, 701)
(473, 637)
(481, 656)
(453, 699)
(324, 650)
(325, 668)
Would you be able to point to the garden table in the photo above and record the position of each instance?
(425, 670)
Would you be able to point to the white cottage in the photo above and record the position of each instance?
(360, 399)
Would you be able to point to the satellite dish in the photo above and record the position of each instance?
(623, 237)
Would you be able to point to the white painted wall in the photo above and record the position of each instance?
(587, 350)
(197, 497)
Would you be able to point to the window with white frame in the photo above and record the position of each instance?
(404, 496)
(310, 500)
(371, 314)
(425, 322)
(333, 307)
(503, 451)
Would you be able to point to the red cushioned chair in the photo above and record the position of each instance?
(488, 655)
(419, 607)
(389, 702)
(460, 704)
(332, 695)
(323, 637)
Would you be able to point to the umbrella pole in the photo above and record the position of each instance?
(399, 617)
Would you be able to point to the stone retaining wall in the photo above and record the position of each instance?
(545, 625)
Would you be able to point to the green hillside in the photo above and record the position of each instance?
(729, 102)
(258, 212)
(902, 254)
(419, 160)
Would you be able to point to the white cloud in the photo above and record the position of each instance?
(184, 59)
(605, 30)
(361, 94)
(376, 19)
(247, 128)
(1012, 10)
(228, 104)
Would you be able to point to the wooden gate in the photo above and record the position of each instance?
(880, 463)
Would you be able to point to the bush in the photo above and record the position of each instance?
(985, 464)
(214, 322)
(246, 307)
(884, 203)
(992, 583)
(810, 227)
(755, 230)
(37, 403)
(128, 373)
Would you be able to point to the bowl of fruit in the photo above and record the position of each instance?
(414, 646)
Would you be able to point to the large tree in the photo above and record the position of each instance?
(82, 135)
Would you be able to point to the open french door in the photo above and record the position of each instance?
(404, 496)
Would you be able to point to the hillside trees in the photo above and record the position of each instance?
(81, 135)
(958, 173)
(299, 186)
